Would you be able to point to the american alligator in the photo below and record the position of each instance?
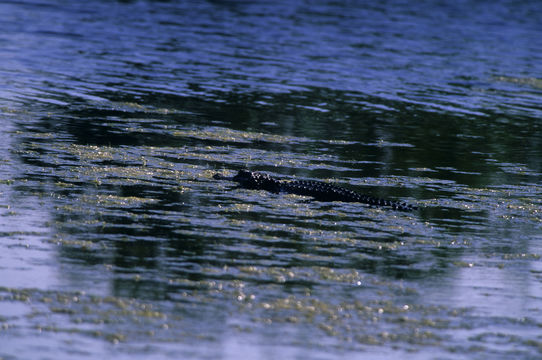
(318, 190)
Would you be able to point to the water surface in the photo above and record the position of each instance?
(116, 240)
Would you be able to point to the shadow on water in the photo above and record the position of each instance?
(157, 151)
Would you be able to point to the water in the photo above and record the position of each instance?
(117, 242)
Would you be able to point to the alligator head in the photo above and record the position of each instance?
(244, 177)
(253, 180)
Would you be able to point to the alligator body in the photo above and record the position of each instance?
(318, 190)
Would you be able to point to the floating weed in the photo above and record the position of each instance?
(350, 320)
(92, 153)
(230, 135)
(74, 243)
(64, 184)
(125, 318)
(522, 256)
(117, 201)
(530, 81)
(136, 107)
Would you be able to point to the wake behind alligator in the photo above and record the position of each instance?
(318, 190)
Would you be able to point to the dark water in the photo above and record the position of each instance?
(116, 241)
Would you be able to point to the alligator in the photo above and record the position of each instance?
(319, 191)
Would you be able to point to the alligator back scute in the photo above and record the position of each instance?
(320, 191)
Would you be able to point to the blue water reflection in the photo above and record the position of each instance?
(117, 241)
